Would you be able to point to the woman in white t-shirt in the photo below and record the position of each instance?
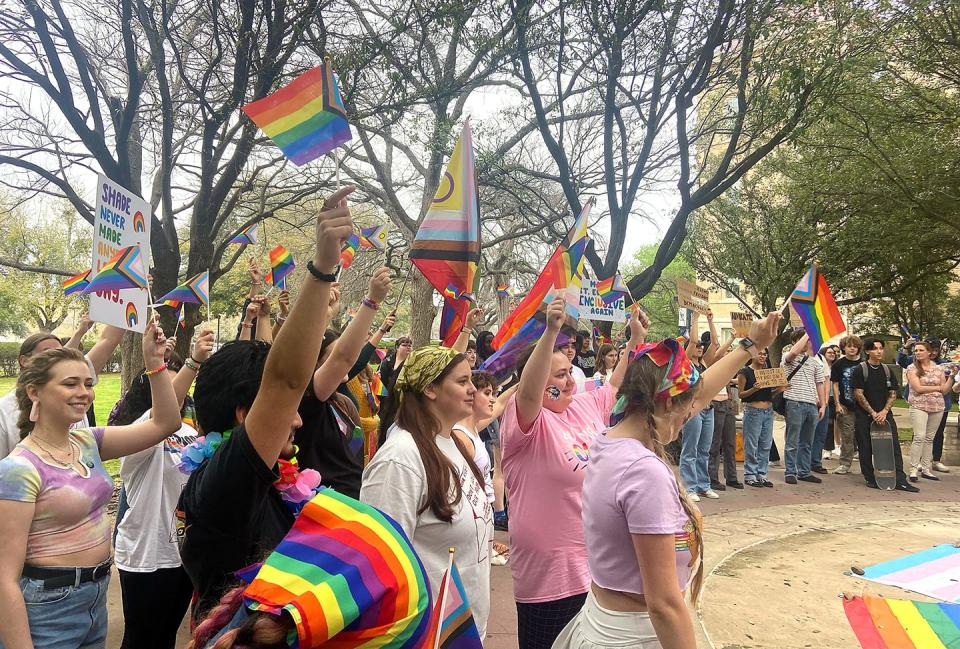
(426, 479)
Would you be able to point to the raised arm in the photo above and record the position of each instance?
(283, 302)
(473, 317)
(383, 329)
(293, 355)
(100, 353)
(188, 373)
(536, 373)
(249, 316)
(345, 351)
(694, 334)
(800, 345)
(639, 325)
(264, 332)
(86, 324)
(119, 441)
(256, 278)
(712, 351)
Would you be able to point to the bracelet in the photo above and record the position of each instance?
(192, 364)
(323, 277)
(156, 371)
(370, 304)
(256, 283)
(246, 325)
(281, 318)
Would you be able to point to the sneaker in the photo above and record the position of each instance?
(873, 485)
(930, 476)
(913, 476)
(776, 463)
(710, 493)
(791, 479)
(819, 469)
(693, 497)
(754, 483)
(835, 452)
(907, 487)
(766, 483)
(842, 470)
(941, 467)
(810, 478)
(736, 484)
(716, 486)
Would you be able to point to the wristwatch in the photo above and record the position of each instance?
(749, 346)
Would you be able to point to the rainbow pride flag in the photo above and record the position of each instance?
(195, 290)
(503, 289)
(374, 237)
(349, 250)
(377, 388)
(345, 573)
(612, 288)
(281, 265)
(123, 270)
(306, 118)
(247, 236)
(934, 572)
(452, 625)
(817, 309)
(881, 623)
(76, 283)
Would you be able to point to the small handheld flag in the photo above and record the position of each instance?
(195, 290)
(76, 283)
(306, 118)
(374, 237)
(452, 625)
(247, 235)
(181, 321)
(123, 270)
(349, 250)
(612, 288)
(814, 304)
(281, 265)
(503, 289)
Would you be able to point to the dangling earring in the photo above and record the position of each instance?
(35, 411)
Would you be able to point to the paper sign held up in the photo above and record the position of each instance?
(774, 377)
(691, 296)
(741, 323)
(795, 320)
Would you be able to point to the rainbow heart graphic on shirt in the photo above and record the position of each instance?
(578, 455)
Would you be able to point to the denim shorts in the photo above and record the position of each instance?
(70, 617)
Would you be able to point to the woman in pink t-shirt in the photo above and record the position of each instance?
(545, 435)
(928, 383)
(643, 535)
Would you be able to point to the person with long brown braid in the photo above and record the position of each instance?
(643, 535)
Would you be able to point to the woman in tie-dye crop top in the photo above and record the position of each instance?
(643, 537)
(55, 567)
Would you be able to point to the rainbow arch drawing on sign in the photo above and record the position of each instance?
(139, 223)
(131, 314)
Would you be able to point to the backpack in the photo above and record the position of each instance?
(886, 371)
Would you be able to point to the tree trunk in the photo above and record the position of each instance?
(422, 310)
(131, 355)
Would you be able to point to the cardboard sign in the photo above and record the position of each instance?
(592, 306)
(691, 296)
(741, 323)
(795, 320)
(122, 219)
(774, 377)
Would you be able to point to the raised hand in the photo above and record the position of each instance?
(388, 323)
(203, 347)
(639, 326)
(379, 285)
(556, 313)
(284, 302)
(334, 225)
(473, 318)
(254, 269)
(762, 332)
(154, 345)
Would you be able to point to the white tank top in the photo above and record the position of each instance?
(480, 457)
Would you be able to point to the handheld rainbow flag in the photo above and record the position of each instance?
(123, 270)
(195, 290)
(349, 250)
(281, 265)
(816, 307)
(306, 118)
(374, 237)
(612, 288)
(346, 574)
(181, 320)
(446, 247)
(247, 236)
(452, 625)
(76, 283)
(377, 387)
(881, 623)
(503, 289)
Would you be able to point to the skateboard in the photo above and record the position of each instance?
(884, 469)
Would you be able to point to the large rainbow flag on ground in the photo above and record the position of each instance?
(76, 283)
(348, 577)
(525, 324)
(452, 625)
(817, 309)
(247, 236)
(305, 118)
(123, 270)
(446, 247)
(195, 290)
(881, 623)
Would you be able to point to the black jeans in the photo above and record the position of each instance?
(724, 441)
(154, 604)
(861, 430)
(938, 438)
(539, 624)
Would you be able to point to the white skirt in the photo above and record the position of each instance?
(595, 627)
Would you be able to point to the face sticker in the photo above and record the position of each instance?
(553, 393)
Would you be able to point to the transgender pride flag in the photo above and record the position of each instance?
(934, 572)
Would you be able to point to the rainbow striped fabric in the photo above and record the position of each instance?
(123, 270)
(195, 290)
(446, 247)
(305, 118)
(817, 309)
(348, 577)
(881, 623)
(503, 289)
(377, 388)
(281, 265)
(349, 250)
(934, 572)
(374, 237)
(76, 283)
(247, 236)
(452, 625)
(612, 288)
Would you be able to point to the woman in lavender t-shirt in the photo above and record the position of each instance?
(642, 534)
(546, 434)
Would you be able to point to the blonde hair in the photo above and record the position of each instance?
(37, 372)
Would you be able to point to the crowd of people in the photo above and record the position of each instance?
(575, 455)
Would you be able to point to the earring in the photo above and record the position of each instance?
(35, 411)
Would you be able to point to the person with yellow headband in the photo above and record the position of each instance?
(426, 480)
(643, 535)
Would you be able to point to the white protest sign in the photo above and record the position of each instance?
(592, 306)
(122, 219)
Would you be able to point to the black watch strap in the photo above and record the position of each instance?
(323, 277)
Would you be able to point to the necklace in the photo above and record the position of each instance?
(53, 457)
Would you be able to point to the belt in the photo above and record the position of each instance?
(60, 577)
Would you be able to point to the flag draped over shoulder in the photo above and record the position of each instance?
(817, 309)
(446, 248)
(562, 274)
